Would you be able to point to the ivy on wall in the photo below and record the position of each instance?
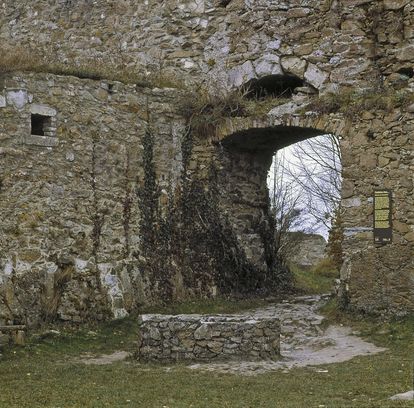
(194, 240)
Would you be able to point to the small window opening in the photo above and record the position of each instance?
(409, 72)
(272, 85)
(41, 124)
(110, 88)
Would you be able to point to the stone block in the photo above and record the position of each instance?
(293, 65)
(315, 76)
(42, 110)
(44, 141)
(17, 98)
(395, 4)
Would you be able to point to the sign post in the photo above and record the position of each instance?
(382, 217)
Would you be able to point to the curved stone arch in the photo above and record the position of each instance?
(323, 124)
(249, 145)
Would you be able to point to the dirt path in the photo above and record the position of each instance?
(104, 359)
(303, 341)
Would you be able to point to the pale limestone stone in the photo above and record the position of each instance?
(242, 74)
(395, 4)
(351, 202)
(42, 110)
(45, 141)
(268, 65)
(17, 98)
(406, 396)
(2, 101)
(286, 108)
(315, 76)
(406, 53)
(294, 65)
(203, 332)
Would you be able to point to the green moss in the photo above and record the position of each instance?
(207, 306)
(211, 62)
(325, 267)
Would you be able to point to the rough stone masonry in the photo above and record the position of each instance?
(207, 338)
(108, 201)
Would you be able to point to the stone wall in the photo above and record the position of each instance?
(70, 213)
(198, 338)
(305, 249)
(109, 204)
(118, 193)
(329, 42)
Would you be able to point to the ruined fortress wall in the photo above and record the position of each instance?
(334, 42)
(69, 206)
(367, 45)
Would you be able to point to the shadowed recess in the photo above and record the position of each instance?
(407, 71)
(269, 139)
(272, 85)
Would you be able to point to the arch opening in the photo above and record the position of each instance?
(247, 193)
(275, 86)
(268, 139)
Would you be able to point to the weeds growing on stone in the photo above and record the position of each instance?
(352, 102)
(20, 59)
(205, 109)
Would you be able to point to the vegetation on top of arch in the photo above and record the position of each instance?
(205, 109)
(351, 102)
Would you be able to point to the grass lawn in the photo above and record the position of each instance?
(318, 279)
(46, 373)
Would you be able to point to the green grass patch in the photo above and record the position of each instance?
(208, 306)
(316, 280)
(47, 374)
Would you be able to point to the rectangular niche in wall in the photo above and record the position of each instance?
(42, 126)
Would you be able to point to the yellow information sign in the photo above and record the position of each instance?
(382, 217)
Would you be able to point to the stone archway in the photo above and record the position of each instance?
(247, 146)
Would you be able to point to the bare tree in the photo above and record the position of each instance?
(304, 184)
(284, 201)
(314, 166)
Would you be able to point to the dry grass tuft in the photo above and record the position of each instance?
(352, 102)
(21, 59)
(206, 109)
